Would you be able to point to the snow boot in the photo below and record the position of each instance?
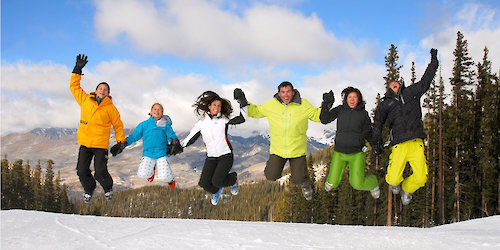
(109, 195)
(375, 192)
(406, 198)
(216, 197)
(234, 188)
(87, 197)
(172, 184)
(328, 187)
(150, 179)
(395, 189)
(307, 191)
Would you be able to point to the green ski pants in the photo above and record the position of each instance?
(356, 164)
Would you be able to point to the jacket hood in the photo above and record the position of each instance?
(296, 97)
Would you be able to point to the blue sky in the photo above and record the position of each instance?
(172, 50)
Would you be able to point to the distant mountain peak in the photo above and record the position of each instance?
(54, 133)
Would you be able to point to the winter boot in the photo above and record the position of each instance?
(216, 197)
(234, 188)
(172, 184)
(109, 195)
(87, 197)
(307, 191)
(328, 187)
(151, 179)
(406, 198)
(375, 192)
(395, 189)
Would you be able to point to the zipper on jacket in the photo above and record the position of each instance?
(286, 123)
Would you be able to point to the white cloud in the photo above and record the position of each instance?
(480, 26)
(204, 29)
(38, 95)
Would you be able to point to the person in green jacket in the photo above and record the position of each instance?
(288, 115)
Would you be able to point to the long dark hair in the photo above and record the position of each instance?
(349, 90)
(208, 97)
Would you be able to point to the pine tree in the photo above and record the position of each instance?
(461, 81)
(413, 74)
(487, 152)
(392, 68)
(17, 185)
(27, 193)
(440, 165)
(49, 189)
(6, 194)
(36, 183)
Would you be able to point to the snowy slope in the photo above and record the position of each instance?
(40, 230)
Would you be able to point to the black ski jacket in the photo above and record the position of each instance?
(402, 111)
(353, 127)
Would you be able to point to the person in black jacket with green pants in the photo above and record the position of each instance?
(353, 128)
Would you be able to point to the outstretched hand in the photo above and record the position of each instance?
(434, 53)
(118, 148)
(81, 61)
(239, 96)
(174, 147)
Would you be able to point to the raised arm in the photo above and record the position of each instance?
(76, 77)
(420, 87)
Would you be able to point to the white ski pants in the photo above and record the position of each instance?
(147, 169)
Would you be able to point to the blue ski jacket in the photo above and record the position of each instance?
(155, 136)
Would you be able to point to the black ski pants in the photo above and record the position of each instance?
(101, 174)
(215, 173)
(298, 169)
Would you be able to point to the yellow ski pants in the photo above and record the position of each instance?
(411, 151)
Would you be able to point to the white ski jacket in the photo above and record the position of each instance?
(214, 133)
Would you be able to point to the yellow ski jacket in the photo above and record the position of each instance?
(95, 120)
(287, 124)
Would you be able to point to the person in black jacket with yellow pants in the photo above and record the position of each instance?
(400, 109)
(354, 127)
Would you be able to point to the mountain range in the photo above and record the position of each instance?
(60, 145)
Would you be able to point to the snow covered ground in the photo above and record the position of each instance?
(40, 230)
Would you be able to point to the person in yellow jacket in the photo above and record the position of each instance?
(288, 115)
(96, 117)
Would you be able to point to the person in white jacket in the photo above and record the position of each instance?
(214, 113)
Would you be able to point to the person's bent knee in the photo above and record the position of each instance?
(356, 185)
(272, 176)
(420, 180)
(393, 180)
(202, 184)
(218, 182)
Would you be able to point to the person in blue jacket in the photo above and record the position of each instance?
(159, 142)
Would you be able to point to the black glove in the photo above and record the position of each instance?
(377, 148)
(81, 60)
(434, 55)
(239, 96)
(118, 148)
(174, 147)
(328, 100)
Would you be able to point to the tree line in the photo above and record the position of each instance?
(24, 188)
